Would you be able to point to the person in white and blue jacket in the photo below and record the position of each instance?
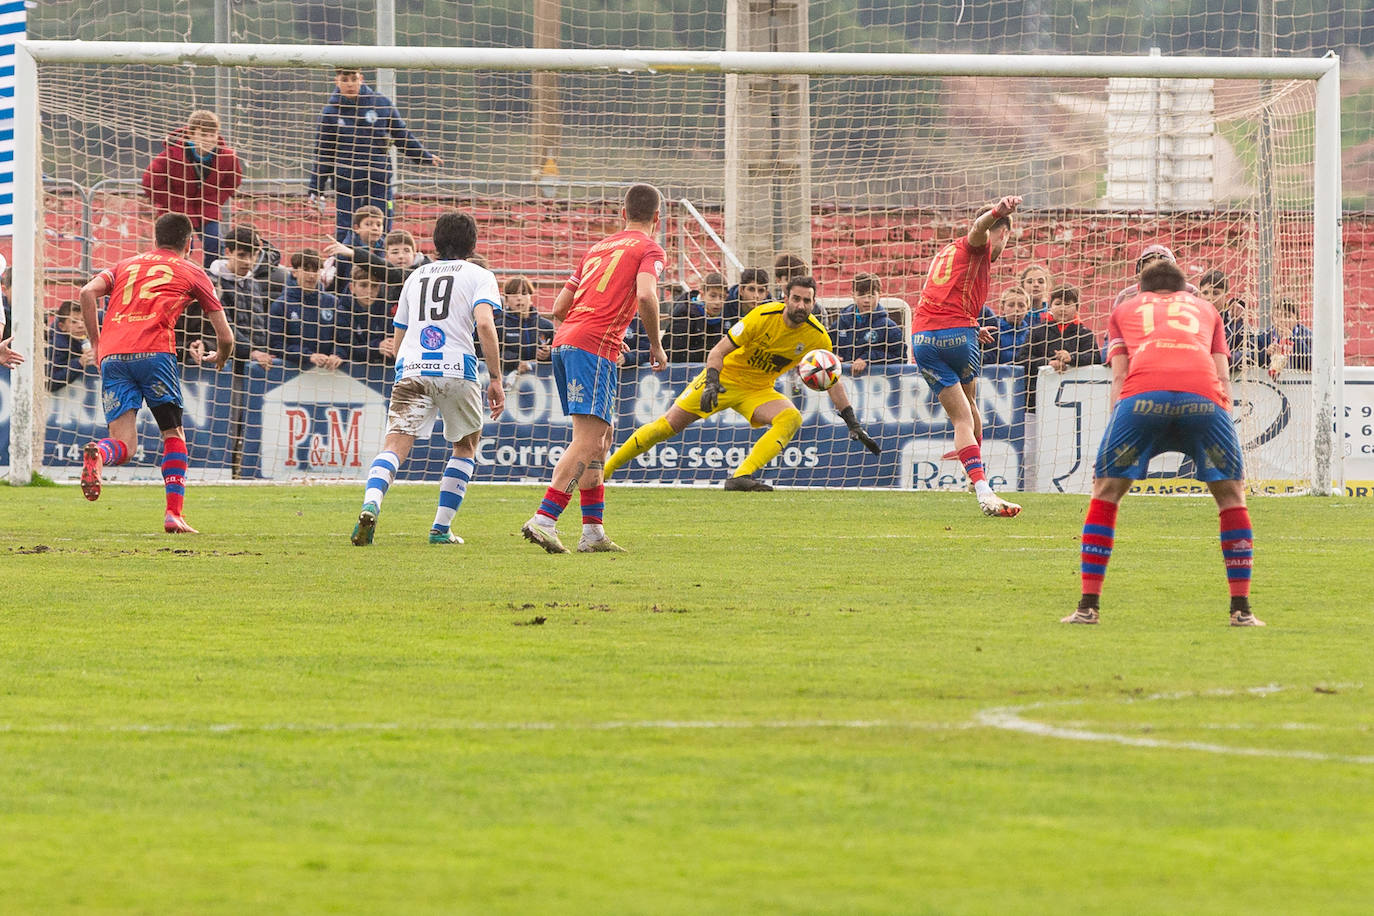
(357, 128)
(864, 334)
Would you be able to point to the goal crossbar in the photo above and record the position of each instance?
(1327, 297)
(551, 59)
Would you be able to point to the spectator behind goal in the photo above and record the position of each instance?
(195, 174)
(864, 334)
(304, 327)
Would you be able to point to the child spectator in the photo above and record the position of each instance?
(358, 126)
(303, 326)
(749, 293)
(864, 334)
(1061, 343)
(244, 281)
(1287, 344)
(785, 267)
(365, 318)
(402, 252)
(525, 335)
(195, 174)
(1035, 283)
(70, 357)
(362, 245)
(1213, 286)
(699, 323)
(1011, 326)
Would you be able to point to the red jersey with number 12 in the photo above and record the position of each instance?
(147, 295)
(1169, 339)
(956, 288)
(604, 289)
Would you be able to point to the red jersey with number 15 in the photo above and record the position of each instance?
(604, 289)
(956, 288)
(147, 295)
(1169, 339)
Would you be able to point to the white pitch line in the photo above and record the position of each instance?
(1009, 718)
(218, 728)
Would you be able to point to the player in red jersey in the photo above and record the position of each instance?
(135, 351)
(945, 338)
(616, 277)
(1171, 392)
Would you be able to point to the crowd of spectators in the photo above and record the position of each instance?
(334, 305)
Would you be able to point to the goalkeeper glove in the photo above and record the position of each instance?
(710, 392)
(857, 433)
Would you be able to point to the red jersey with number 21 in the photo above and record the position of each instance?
(956, 288)
(1169, 339)
(605, 296)
(147, 295)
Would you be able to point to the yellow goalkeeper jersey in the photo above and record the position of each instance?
(768, 347)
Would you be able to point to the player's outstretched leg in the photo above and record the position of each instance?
(94, 457)
(782, 427)
(1238, 550)
(640, 441)
(174, 461)
(594, 539)
(457, 474)
(379, 478)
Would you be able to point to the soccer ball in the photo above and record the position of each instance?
(819, 369)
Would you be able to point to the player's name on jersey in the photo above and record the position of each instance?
(444, 267)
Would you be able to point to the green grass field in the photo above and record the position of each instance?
(799, 702)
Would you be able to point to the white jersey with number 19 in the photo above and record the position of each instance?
(437, 310)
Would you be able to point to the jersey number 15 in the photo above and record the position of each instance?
(1180, 316)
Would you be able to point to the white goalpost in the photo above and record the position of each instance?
(898, 149)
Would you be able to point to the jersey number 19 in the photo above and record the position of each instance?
(435, 306)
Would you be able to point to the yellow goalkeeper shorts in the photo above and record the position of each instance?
(744, 401)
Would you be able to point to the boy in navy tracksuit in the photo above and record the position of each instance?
(304, 325)
(864, 334)
(357, 128)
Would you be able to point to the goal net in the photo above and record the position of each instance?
(852, 163)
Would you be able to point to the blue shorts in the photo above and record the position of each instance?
(586, 382)
(128, 380)
(1154, 422)
(947, 357)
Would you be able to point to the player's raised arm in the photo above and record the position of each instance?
(840, 398)
(646, 298)
(491, 353)
(978, 232)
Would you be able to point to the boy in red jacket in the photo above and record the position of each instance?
(195, 174)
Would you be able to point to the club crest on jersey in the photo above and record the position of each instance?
(432, 338)
(799, 348)
(326, 314)
(371, 116)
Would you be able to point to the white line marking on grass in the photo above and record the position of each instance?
(1010, 718)
(217, 728)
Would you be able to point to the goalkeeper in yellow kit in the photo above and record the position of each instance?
(740, 374)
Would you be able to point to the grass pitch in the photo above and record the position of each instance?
(798, 702)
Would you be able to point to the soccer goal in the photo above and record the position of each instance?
(853, 163)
